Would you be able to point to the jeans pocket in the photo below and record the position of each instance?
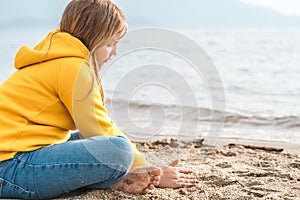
(9, 190)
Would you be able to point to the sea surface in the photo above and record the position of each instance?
(154, 92)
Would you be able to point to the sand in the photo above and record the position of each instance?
(232, 171)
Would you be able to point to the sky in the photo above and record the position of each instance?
(16, 13)
(285, 7)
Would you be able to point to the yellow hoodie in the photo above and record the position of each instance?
(51, 93)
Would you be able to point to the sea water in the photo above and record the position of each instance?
(258, 67)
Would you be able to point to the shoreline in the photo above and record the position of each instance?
(288, 147)
(227, 170)
(292, 148)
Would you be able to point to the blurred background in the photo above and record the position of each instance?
(254, 44)
(30, 14)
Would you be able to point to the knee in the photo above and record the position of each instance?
(123, 151)
(114, 152)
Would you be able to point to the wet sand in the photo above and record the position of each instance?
(232, 171)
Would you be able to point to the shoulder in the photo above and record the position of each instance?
(76, 71)
(73, 62)
(72, 66)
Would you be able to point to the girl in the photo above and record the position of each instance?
(56, 89)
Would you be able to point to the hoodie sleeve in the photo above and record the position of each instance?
(86, 107)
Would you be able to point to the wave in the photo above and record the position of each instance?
(205, 115)
(250, 91)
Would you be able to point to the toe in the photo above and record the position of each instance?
(146, 191)
(155, 183)
(155, 171)
(156, 178)
(151, 187)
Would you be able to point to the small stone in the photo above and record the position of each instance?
(174, 143)
(295, 165)
(198, 142)
(224, 165)
(182, 192)
(228, 153)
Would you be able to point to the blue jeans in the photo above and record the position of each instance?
(96, 162)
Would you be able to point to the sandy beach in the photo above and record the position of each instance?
(231, 171)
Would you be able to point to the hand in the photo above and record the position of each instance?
(176, 177)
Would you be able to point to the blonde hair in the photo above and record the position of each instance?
(95, 23)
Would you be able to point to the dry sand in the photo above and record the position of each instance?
(228, 172)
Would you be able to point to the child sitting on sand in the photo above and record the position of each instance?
(54, 90)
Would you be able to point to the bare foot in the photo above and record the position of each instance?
(139, 181)
(176, 177)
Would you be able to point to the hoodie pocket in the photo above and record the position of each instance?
(9, 190)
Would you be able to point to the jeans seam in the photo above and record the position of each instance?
(110, 165)
(68, 164)
(29, 194)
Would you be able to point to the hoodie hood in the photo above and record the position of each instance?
(56, 45)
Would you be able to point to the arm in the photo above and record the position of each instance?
(85, 104)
